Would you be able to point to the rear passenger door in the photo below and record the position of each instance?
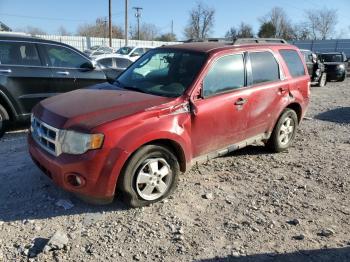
(23, 76)
(267, 91)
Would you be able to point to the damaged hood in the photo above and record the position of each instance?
(88, 108)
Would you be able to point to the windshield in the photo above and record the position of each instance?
(124, 50)
(95, 47)
(332, 57)
(162, 72)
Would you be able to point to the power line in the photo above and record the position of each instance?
(44, 18)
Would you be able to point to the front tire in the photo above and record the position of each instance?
(150, 175)
(284, 132)
(342, 78)
(4, 118)
(323, 80)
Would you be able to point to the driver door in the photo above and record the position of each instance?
(222, 112)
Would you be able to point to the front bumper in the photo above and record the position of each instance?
(97, 167)
(336, 75)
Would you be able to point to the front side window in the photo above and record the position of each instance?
(264, 67)
(162, 72)
(294, 63)
(226, 74)
(138, 52)
(124, 50)
(122, 63)
(64, 57)
(16, 53)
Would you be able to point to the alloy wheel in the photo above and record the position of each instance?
(153, 179)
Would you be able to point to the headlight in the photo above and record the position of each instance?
(342, 67)
(78, 143)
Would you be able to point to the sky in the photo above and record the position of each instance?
(49, 15)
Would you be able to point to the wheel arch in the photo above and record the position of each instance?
(297, 108)
(170, 144)
(6, 103)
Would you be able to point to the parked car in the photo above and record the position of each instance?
(99, 50)
(315, 67)
(131, 52)
(194, 101)
(112, 64)
(32, 69)
(336, 65)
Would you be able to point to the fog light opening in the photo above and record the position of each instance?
(75, 180)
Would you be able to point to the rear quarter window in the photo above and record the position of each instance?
(295, 65)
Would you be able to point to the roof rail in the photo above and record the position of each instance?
(240, 41)
(212, 39)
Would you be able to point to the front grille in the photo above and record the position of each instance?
(45, 135)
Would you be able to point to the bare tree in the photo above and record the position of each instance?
(281, 22)
(100, 29)
(245, 31)
(147, 32)
(32, 30)
(168, 37)
(62, 31)
(231, 34)
(201, 22)
(267, 30)
(322, 22)
(302, 31)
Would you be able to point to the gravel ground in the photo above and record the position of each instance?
(248, 206)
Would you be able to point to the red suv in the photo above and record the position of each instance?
(172, 107)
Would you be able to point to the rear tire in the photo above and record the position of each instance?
(284, 132)
(4, 119)
(150, 175)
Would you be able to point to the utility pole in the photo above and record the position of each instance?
(138, 16)
(126, 23)
(172, 27)
(110, 23)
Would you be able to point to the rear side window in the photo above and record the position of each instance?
(16, 53)
(264, 67)
(122, 63)
(294, 63)
(225, 75)
(64, 57)
(106, 62)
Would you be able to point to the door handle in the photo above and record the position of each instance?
(282, 90)
(65, 73)
(7, 71)
(241, 101)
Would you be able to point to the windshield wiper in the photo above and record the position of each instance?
(133, 88)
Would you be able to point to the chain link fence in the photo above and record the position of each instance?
(82, 43)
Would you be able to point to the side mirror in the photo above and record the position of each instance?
(91, 65)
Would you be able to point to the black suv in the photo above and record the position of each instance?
(32, 69)
(336, 65)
